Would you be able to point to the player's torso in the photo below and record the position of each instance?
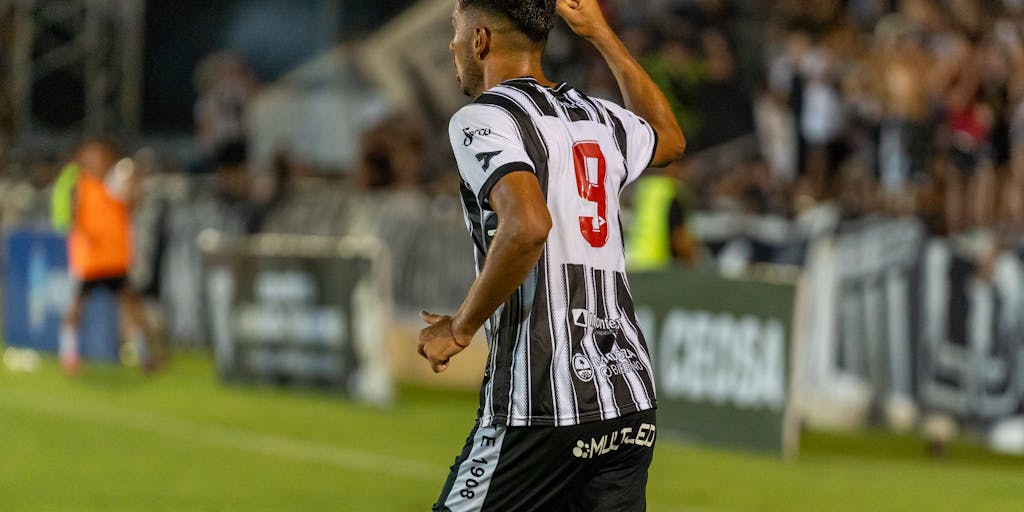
(566, 348)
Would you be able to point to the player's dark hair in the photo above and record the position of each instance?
(534, 18)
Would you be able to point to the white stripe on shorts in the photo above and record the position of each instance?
(474, 479)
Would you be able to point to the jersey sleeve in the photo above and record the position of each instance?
(636, 135)
(488, 146)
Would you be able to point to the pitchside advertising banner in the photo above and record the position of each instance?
(37, 292)
(299, 309)
(905, 326)
(721, 348)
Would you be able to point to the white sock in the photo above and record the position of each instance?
(137, 337)
(68, 341)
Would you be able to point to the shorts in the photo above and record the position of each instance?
(115, 284)
(593, 467)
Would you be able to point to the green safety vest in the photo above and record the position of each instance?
(649, 245)
(61, 202)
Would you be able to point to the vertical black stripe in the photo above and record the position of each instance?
(541, 346)
(569, 104)
(620, 137)
(503, 347)
(601, 117)
(622, 142)
(536, 96)
(587, 396)
(603, 342)
(528, 340)
(516, 321)
(483, 409)
(623, 394)
(569, 340)
(473, 218)
(626, 303)
(574, 112)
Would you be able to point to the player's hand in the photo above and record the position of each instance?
(438, 341)
(583, 16)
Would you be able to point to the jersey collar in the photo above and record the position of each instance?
(561, 88)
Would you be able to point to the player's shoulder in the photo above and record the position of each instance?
(480, 115)
(620, 113)
(608, 104)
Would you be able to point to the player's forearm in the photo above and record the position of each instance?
(512, 256)
(642, 96)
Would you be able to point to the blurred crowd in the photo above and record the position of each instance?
(872, 107)
(909, 107)
(864, 107)
(913, 110)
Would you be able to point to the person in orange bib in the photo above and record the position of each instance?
(100, 249)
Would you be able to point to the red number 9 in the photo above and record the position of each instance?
(590, 174)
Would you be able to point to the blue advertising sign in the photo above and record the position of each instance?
(37, 292)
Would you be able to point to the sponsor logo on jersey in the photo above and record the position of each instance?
(584, 318)
(619, 361)
(588, 449)
(485, 159)
(472, 133)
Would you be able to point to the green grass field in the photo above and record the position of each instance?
(110, 440)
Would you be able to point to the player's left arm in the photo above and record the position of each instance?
(517, 246)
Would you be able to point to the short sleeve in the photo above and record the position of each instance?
(488, 145)
(636, 135)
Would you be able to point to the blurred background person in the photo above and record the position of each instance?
(225, 84)
(660, 229)
(100, 250)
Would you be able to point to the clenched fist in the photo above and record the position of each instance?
(584, 17)
(439, 342)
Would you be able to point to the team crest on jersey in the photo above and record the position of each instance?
(582, 368)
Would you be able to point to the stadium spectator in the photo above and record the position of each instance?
(660, 232)
(225, 84)
(393, 155)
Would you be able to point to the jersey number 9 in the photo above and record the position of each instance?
(590, 176)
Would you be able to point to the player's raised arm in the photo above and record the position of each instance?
(640, 93)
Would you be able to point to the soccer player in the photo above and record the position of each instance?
(566, 418)
(99, 248)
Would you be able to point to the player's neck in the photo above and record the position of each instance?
(527, 65)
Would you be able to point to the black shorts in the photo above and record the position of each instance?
(594, 467)
(115, 284)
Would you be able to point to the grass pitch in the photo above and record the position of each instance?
(110, 440)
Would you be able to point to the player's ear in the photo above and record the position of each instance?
(481, 42)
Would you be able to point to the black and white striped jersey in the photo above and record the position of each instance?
(565, 348)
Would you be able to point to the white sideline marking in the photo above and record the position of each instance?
(262, 444)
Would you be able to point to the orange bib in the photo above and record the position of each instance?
(99, 244)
